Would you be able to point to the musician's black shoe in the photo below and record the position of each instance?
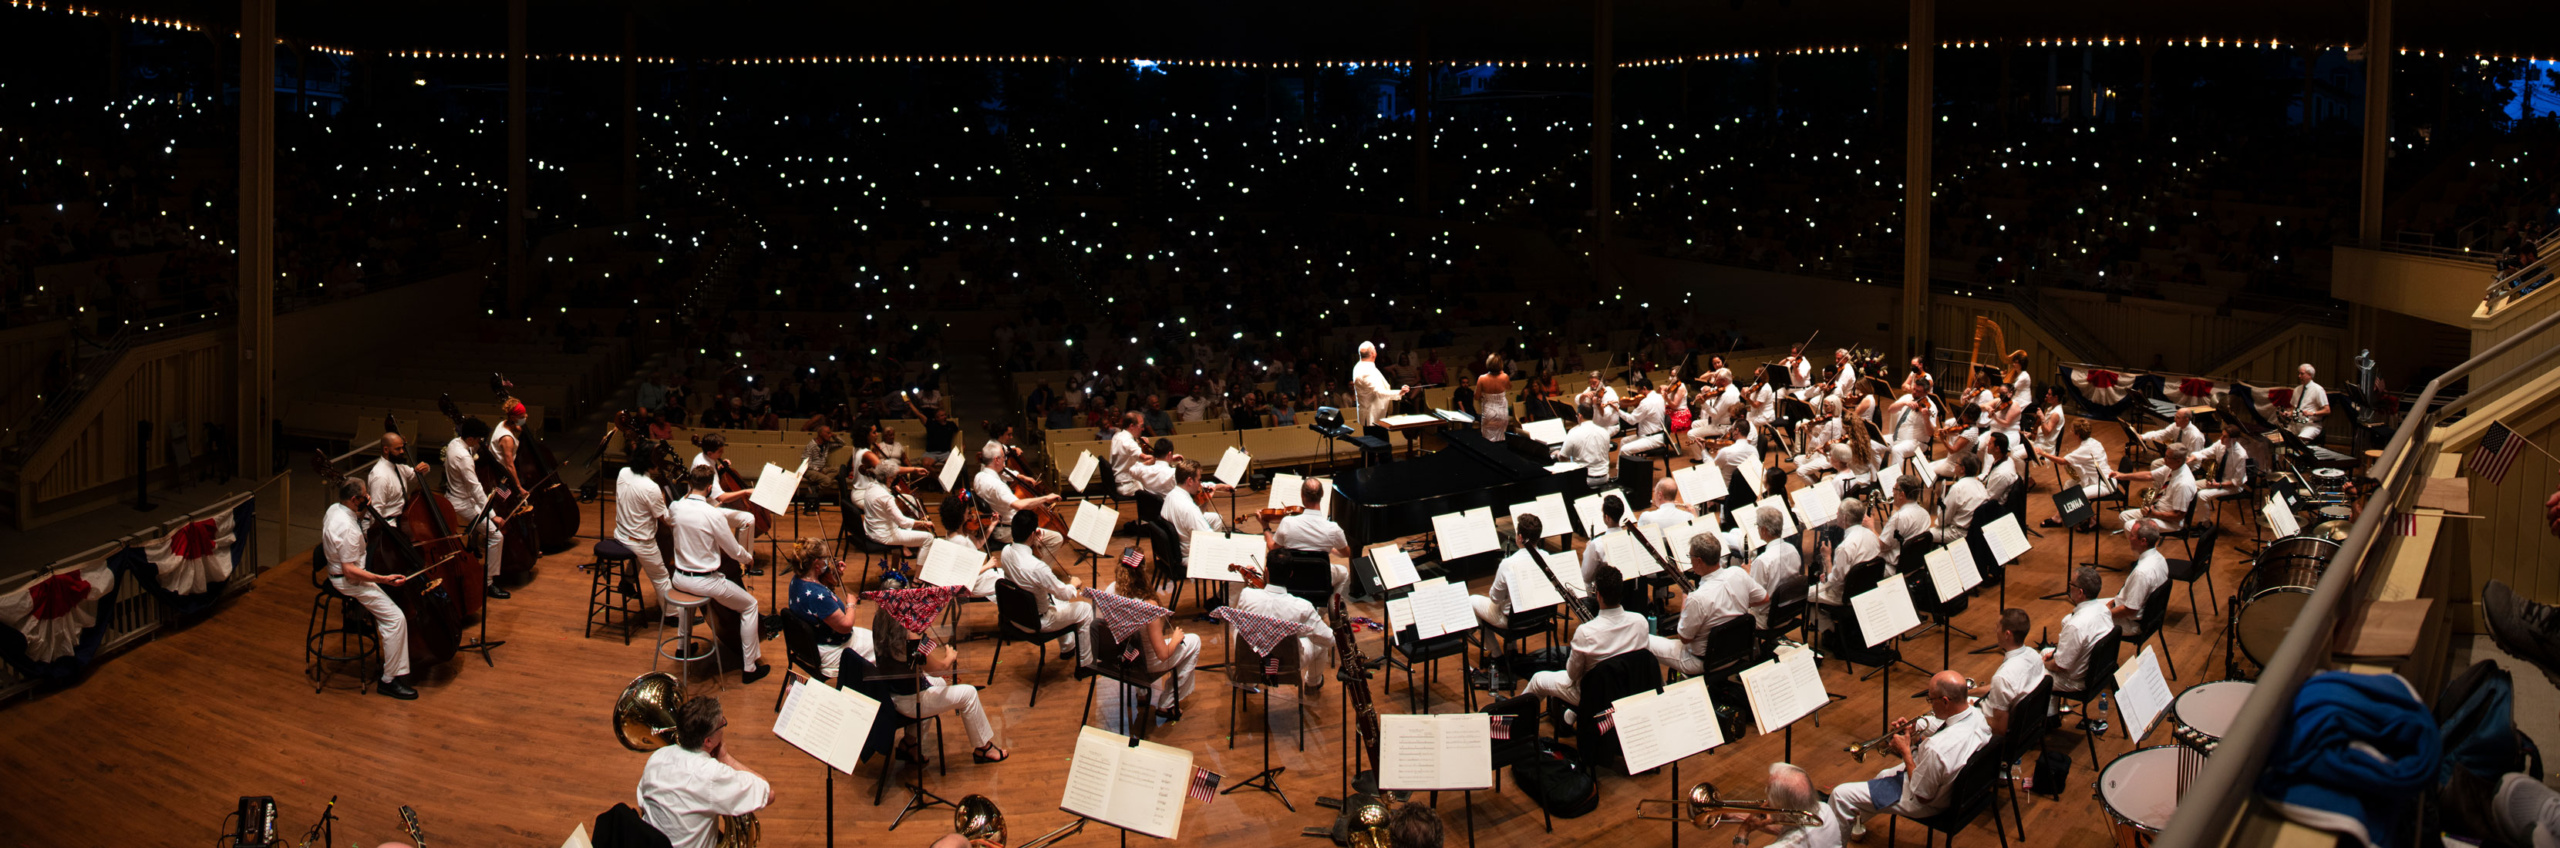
(750, 678)
(2048, 523)
(498, 593)
(2524, 629)
(395, 689)
(671, 621)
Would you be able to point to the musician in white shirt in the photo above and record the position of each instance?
(1648, 419)
(703, 535)
(1587, 445)
(1372, 391)
(1610, 632)
(1311, 531)
(1315, 637)
(1909, 521)
(686, 787)
(1717, 408)
(992, 489)
(1724, 593)
(342, 548)
(1741, 459)
(1799, 372)
(1956, 508)
(715, 449)
(1777, 564)
(2021, 387)
(391, 477)
(2231, 477)
(1948, 738)
(1061, 602)
(1603, 401)
(1494, 606)
(2310, 405)
(2020, 670)
(1667, 509)
(2177, 495)
(639, 515)
(2003, 475)
(1914, 422)
(2150, 572)
(2180, 430)
(469, 496)
(1613, 512)
(1857, 544)
(1845, 373)
(2088, 463)
(1792, 790)
(2088, 628)
(1127, 452)
(883, 522)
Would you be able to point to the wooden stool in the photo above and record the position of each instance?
(688, 607)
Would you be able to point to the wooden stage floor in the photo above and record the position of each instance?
(156, 746)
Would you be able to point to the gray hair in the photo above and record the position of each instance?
(991, 451)
(1790, 788)
(2085, 578)
(2176, 453)
(2148, 532)
(1853, 510)
(1771, 521)
(1705, 546)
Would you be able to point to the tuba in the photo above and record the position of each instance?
(644, 719)
(1704, 808)
(977, 819)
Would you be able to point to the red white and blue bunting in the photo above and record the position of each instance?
(53, 611)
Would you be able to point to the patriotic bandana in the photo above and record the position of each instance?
(915, 608)
(1124, 615)
(1261, 632)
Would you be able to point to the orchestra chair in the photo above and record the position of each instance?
(1132, 676)
(1518, 627)
(1257, 674)
(1787, 614)
(855, 673)
(1861, 577)
(800, 646)
(1606, 682)
(2155, 609)
(613, 589)
(358, 643)
(1523, 744)
(2201, 565)
(2099, 678)
(1427, 653)
(1729, 650)
(900, 680)
(1018, 620)
(872, 550)
(1972, 792)
(688, 648)
(2029, 720)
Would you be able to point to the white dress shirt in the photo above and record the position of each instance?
(2178, 495)
(1588, 445)
(638, 505)
(1605, 410)
(2306, 400)
(703, 533)
(2083, 631)
(1026, 569)
(991, 489)
(2020, 671)
(1857, 544)
(1612, 632)
(881, 519)
(1908, 523)
(1724, 595)
(1935, 761)
(341, 539)
(2149, 571)
(1370, 389)
(1154, 478)
(1124, 455)
(1184, 515)
(683, 792)
(1647, 417)
(703, 460)
(1189, 408)
(1956, 508)
(2234, 471)
(462, 477)
(2088, 461)
(1307, 531)
(2172, 434)
(1997, 482)
(389, 486)
(1777, 563)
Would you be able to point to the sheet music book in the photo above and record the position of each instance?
(1452, 751)
(1466, 533)
(1416, 419)
(1784, 690)
(1233, 466)
(1284, 493)
(1753, 478)
(1819, 504)
(1885, 611)
(2006, 538)
(1656, 727)
(774, 487)
(579, 839)
(1928, 474)
(1211, 553)
(1441, 608)
(2279, 518)
(1952, 571)
(2142, 692)
(1395, 569)
(1453, 416)
(1550, 430)
(1083, 473)
(952, 464)
(1092, 527)
(1700, 483)
(1628, 556)
(1587, 510)
(828, 723)
(1887, 478)
(1137, 788)
(951, 562)
(1530, 589)
(1400, 614)
(1554, 518)
(1564, 467)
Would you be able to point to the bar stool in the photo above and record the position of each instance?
(357, 640)
(613, 588)
(688, 607)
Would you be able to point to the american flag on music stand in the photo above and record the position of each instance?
(2497, 452)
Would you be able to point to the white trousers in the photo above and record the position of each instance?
(940, 697)
(388, 623)
(1675, 655)
(496, 552)
(735, 597)
(1555, 685)
(1171, 689)
(653, 566)
(1642, 444)
(1315, 659)
(902, 537)
(859, 640)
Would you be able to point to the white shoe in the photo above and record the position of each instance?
(1857, 831)
(2521, 803)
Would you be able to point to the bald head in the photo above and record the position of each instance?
(1946, 692)
(1368, 352)
(1311, 493)
(1666, 491)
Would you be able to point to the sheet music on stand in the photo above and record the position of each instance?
(1785, 689)
(1135, 787)
(1626, 554)
(1819, 504)
(1425, 752)
(952, 463)
(1885, 611)
(1441, 608)
(1233, 467)
(1676, 538)
(1465, 533)
(1092, 527)
(1547, 430)
(1284, 493)
(1587, 509)
(2006, 538)
(1212, 552)
(1755, 480)
(1530, 589)
(2279, 518)
(1658, 726)
(1453, 416)
(1700, 483)
(1395, 569)
(774, 487)
(1082, 476)
(1554, 518)
(2142, 692)
(951, 562)
(1749, 525)
(1951, 570)
(826, 722)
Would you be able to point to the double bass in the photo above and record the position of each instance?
(408, 543)
(517, 555)
(554, 507)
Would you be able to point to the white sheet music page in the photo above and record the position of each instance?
(1212, 553)
(1627, 555)
(1284, 491)
(1400, 616)
(1092, 527)
(1655, 728)
(828, 723)
(774, 487)
(1951, 570)
(2142, 692)
(1233, 466)
(1554, 517)
(1134, 788)
(2006, 538)
(1885, 611)
(1417, 752)
(1466, 533)
(1082, 476)
(951, 562)
(2279, 518)
(1819, 504)
(1395, 569)
(1587, 509)
(1549, 430)
(1784, 690)
(1700, 483)
(1441, 608)
(1530, 589)
(952, 464)
(1887, 478)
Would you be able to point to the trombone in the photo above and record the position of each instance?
(1704, 808)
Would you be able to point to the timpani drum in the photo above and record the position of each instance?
(2335, 513)
(2140, 792)
(2277, 587)
(2199, 717)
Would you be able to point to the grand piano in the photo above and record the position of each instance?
(1381, 503)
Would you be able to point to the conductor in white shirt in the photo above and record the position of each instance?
(1373, 393)
(1611, 632)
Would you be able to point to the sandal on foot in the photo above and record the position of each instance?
(980, 755)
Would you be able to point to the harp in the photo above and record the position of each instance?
(1984, 329)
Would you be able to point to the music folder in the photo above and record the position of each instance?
(1212, 552)
(829, 723)
(1420, 752)
(1700, 484)
(1136, 787)
(952, 463)
(2142, 692)
(2006, 538)
(1466, 533)
(1952, 571)
(1092, 527)
(1530, 589)
(774, 487)
(1657, 726)
(1395, 569)
(951, 562)
(1885, 611)
(2279, 518)
(1233, 466)
(1554, 517)
(1548, 430)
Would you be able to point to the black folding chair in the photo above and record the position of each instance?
(1018, 620)
(1972, 793)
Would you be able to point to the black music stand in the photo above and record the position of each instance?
(2071, 507)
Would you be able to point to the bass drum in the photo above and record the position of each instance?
(2275, 591)
(2140, 792)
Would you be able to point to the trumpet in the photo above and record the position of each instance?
(1704, 808)
(1858, 750)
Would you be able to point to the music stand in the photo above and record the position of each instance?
(2071, 507)
(893, 638)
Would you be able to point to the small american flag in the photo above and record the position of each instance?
(1132, 558)
(2404, 524)
(1204, 784)
(2497, 452)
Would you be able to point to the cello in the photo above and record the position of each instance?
(731, 482)
(399, 545)
(516, 556)
(554, 507)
